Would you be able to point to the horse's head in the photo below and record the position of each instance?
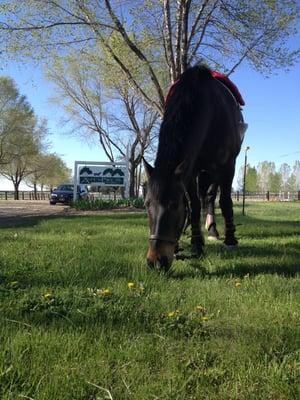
(166, 213)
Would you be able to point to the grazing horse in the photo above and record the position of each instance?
(199, 132)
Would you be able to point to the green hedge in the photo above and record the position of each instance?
(100, 204)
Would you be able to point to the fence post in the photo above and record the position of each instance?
(22, 195)
(5, 195)
(268, 196)
(238, 195)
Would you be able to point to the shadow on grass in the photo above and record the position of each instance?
(253, 260)
(282, 258)
(25, 221)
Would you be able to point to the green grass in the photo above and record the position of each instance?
(62, 338)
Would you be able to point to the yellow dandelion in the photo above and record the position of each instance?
(105, 292)
(47, 296)
(130, 285)
(172, 314)
(200, 308)
(238, 284)
(204, 318)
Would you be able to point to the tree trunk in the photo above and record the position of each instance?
(35, 191)
(16, 189)
(132, 180)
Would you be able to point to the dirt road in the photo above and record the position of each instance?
(24, 212)
(14, 213)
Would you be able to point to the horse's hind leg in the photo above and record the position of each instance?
(208, 193)
(197, 240)
(210, 222)
(227, 207)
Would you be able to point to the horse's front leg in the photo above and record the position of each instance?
(197, 240)
(226, 206)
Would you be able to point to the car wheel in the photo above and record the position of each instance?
(52, 203)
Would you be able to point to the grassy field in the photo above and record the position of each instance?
(81, 316)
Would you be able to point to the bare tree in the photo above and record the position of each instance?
(104, 105)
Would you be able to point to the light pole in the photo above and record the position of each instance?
(244, 180)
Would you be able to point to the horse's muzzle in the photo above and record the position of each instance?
(161, 264)
(160, 255)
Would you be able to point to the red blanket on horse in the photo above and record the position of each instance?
(222, 78)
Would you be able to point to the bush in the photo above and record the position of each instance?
(100, 204)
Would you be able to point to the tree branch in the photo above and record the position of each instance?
(178, 37)
(206, 23)
(136, 51)
(184, 37)
(168, 40)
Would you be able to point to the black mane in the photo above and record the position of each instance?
(177, 127)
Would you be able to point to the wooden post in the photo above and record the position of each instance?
(244, 180)
(268, 195)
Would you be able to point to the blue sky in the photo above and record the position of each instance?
(272, 111)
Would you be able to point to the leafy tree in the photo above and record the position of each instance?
(48, 170)
(251, 179)
(265, 170)
(285, 172)
(274, 182)
(291, 184)
(15, 114)
(22, 135)
(224, 33)
(24, 147)
(104, 106)
(296, 174)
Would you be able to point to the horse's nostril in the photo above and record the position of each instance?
(150, 263)
(163, 263)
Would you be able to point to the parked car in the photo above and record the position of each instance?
(64, 193)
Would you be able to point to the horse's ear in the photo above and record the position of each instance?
(179, 169)
(148, 168)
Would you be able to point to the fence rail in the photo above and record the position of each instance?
(24, 195)
(237, 196)
(267, 196)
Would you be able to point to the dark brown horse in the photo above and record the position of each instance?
(199, 132)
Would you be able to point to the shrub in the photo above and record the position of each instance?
(99, 204)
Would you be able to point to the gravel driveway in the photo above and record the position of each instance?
(24, 212)
(14, 213)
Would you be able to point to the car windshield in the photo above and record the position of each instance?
(65, 187)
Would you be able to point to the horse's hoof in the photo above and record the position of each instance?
(197, 253)
(231, 247)
(212, 233)
(178, 256)
(212, 238)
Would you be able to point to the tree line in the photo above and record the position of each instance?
(24, 144)
(112, 61)
(266, 177)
